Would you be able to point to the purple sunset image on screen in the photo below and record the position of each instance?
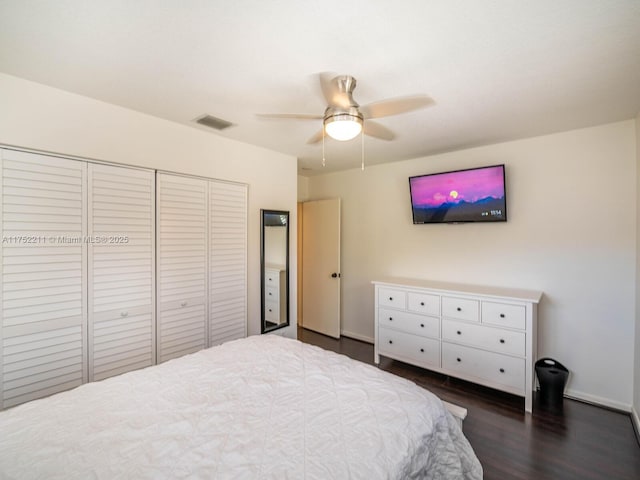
(473, 195)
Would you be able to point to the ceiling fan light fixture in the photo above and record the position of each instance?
(343, 126)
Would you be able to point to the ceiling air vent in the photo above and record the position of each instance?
(213, 122)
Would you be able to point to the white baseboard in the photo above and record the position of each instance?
(635, 419)
(604, 402)
(356, 336)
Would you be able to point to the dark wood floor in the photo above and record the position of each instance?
(581, 441)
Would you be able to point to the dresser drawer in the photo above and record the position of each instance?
(423, 303)
(271, 294)
(489, 338)
(272, 311)
(504, 315)
(389, 297)
(271, 277)
(409, 322)
(413, 349)
(493, 368)
(461, 308)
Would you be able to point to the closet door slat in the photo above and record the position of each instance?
(43, 335)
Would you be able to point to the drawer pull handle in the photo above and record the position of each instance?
(502, 370)
(459, 332)
(390, 341)
(422, 304)
(270, 310)
(458, 359)
(502, 340)
(459, 309)
(391, 319)
(124, 314)
(502, 315)
(391, 299)
(422, 350)
(422, 325)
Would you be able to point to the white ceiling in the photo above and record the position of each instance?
(497, 69)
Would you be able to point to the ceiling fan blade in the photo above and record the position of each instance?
(395, 106)
(316, 137)
(297, 116)
(376, 130)
(331, 91)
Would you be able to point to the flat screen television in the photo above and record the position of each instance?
(460, 196)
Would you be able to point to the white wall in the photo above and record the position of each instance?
(39, 117)
(571, 233)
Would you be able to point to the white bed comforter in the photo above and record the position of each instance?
(262, 407)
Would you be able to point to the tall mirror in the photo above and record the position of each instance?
(274, 263)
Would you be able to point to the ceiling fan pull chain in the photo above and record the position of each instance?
(323, 161)
(362, 136)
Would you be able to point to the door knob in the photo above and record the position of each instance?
(335, 275)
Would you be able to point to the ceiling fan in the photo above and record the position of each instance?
(344, 119)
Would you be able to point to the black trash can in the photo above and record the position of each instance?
(552, 376)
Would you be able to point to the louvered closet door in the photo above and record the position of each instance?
(42, 330)
(182, 265)
(228, 262)
(121, 270)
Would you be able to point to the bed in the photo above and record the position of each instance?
(264, 407)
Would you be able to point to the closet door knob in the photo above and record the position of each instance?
(391, 319)
(391, 299)
(458, 359)
(502, 315)
(502, 340)
(459, 309)
(502, 370)
(422, 304)
(422, 350)
(422, 325)
(390, 341)
(459, 332)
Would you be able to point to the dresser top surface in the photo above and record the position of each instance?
(532, 296)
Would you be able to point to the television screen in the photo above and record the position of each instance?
(472, 195)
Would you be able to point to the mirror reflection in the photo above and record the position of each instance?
(274, 261)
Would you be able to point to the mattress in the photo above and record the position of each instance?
(264, 407)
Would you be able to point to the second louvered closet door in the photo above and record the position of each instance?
(182, 265)
(121, 270)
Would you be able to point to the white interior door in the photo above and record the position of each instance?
(227, 261)
(121, 221)
(182, 265)
(321, 271)
(43, 314)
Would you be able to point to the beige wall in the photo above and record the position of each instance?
(571, 233)
(636, 383)
(39, 117)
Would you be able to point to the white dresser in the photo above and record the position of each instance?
(275, 294)
(485, 335)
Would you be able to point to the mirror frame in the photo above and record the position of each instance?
(263, 322)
